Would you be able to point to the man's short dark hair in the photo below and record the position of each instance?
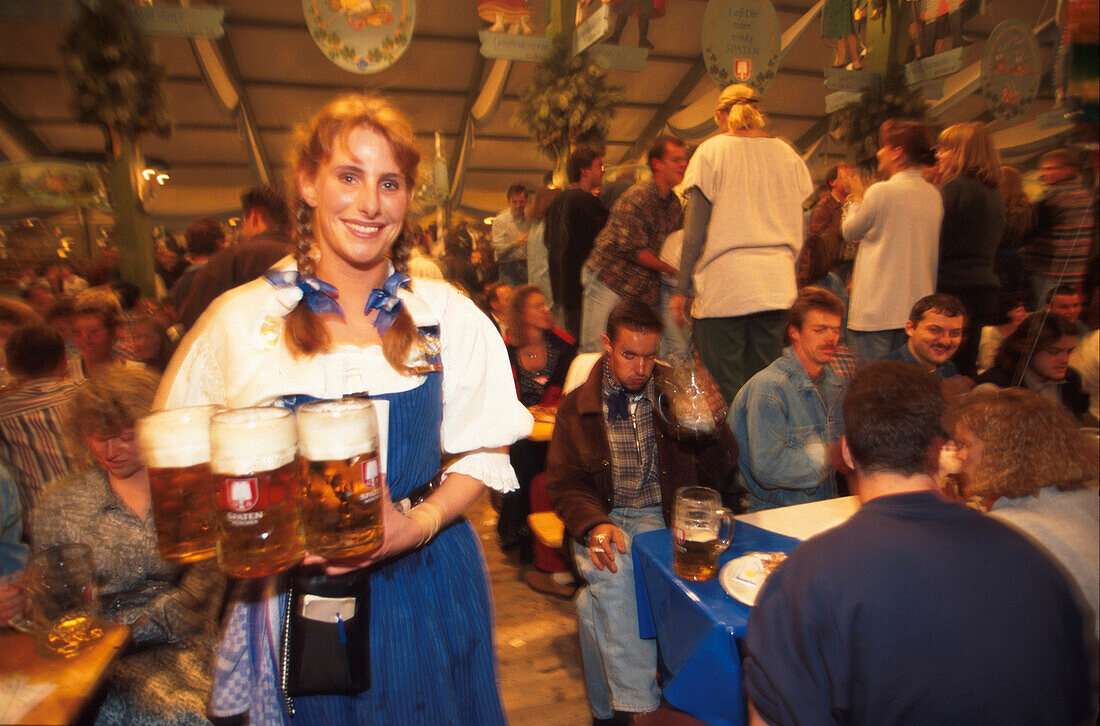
(270, 202)
(581, 158)
(62, 308)
(892, 418)
(813, 298)
(1006, 303)
(1066, 290)
(659, 147)
(635, 315)
(492, 290)
(942, 303)
(516, 189)
(34, 350)
(831, 175)
(204, 236)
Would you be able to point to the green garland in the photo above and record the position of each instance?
(116, 77)
(568, 102)
(856, 125)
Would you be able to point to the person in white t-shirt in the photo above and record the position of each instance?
(898, 225)
(742, 235)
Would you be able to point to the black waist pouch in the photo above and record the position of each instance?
(327, 639)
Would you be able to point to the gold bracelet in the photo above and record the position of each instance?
(429, 516)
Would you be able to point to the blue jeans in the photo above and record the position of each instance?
(675, 344)
(599, 299)
(620, 669)
(513, 273)
(873, 345)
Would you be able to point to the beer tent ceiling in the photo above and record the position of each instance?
(284, 78)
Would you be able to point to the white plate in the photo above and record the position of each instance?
(743, 576)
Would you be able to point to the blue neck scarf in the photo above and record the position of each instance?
(386, 302)
(317, 294)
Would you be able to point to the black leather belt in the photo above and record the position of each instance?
(416, 496)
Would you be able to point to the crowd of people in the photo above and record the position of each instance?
(842, 337)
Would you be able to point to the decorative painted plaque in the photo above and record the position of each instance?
(741, 42)
(1010, 69)
(361, 36)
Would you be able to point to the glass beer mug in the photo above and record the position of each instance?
(698, 523)
(682, 402)
(253, 456)
(62, 590)
(342, 479)
(176, 448)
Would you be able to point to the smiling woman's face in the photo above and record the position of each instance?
(359, 197)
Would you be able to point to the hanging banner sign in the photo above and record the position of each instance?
(936, 66)
(361, 36)
(508, 46)
(1010, 69)
(741, 42)
(51, 184)
(840, 99)
(592, 29)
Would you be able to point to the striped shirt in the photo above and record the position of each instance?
(31, 443)
(1063, 232)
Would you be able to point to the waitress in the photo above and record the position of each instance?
(342, 318)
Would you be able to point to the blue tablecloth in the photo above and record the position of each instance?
(697, 624)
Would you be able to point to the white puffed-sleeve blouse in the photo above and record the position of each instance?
(236, 356)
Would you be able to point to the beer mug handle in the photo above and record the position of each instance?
(727, 528)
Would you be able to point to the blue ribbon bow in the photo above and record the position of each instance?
(618, 405)
(318, 294)
(386, 302)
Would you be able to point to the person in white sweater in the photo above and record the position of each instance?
(897, 223)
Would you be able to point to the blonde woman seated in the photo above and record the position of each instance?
(165, 676)
(1029, 455)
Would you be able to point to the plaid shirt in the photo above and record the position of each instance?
(1063, 232)
(633, 444)
(640, 220)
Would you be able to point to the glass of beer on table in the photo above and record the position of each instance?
(701, 530)
(253, 457)
(61, 585)
(342, 480)
(176, 447)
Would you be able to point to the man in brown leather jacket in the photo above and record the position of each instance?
(611, 471)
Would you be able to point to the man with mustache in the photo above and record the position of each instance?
(935, 329)
(787, 417)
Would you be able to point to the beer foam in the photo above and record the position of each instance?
(177, 438)
(334, 430)
(248, 440)
(700, 535)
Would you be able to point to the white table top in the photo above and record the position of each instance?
(803, 520)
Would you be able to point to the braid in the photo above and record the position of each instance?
(303, 236)
(402, 249)
(304, 331)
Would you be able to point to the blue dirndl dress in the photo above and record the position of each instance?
(432, 659)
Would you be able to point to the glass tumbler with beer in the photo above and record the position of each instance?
(342, 481)
(701, 530)
(253, 456)
(61, 585)
(176, 447)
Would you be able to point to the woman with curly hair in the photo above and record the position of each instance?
(1030, 457)
(342, 318)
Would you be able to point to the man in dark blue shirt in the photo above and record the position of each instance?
(917, 610)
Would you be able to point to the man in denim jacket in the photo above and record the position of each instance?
(787, 417)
